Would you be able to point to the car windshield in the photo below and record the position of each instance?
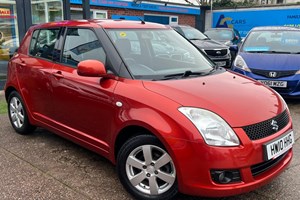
(193, 34)
(273, 41)
(158, 53)
(219, 34)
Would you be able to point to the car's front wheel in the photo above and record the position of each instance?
(18, 115)
(146, 170)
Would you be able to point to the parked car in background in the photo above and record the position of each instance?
(271, 55)
(145, 98)
(227, 36)
(216, 51)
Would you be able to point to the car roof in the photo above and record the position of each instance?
(104, 23)
(274, 28)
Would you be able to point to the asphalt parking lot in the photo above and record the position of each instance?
(45, 166)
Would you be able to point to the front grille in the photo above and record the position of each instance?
(264, 166)
(216, 52)
(273, 74)
(265, 128)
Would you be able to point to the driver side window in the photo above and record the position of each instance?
(82, 44)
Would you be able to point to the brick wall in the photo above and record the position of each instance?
(182, 19)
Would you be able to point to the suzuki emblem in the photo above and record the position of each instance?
(218, 52)
(274, 125)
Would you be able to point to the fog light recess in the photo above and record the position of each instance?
(225, 176)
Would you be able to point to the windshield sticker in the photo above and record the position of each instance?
(256, 48)
(123, 34)
(291, 42)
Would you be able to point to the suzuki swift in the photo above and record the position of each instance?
(144, 97)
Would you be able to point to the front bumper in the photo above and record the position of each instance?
(293, 83)
(223, 59)
(195, 160)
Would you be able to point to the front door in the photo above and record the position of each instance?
(83, 106)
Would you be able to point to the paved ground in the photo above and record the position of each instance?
(45, 166)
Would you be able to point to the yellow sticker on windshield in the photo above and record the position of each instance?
(123, 34)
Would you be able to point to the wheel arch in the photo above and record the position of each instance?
(8, 91)
(11, 89)
(127, 133)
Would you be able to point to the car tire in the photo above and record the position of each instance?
(18, 115)
(148, 178)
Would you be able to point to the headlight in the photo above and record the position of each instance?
(240, 63)
(298, 72)
(213, 128)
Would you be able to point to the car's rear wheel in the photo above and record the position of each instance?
(146, 170)
(18, 115)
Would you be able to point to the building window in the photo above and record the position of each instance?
(99, 14)
(46, 11)
(9, 38)
(76, 13)
(161, 19)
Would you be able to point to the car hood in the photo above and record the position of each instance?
(239, 100)
(208, 44)
(277, 62)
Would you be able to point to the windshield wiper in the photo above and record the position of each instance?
(285, 52)
(278, 52)
(186, 74)
(198, 39)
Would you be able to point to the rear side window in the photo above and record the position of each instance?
(82, 44)
(42, 43)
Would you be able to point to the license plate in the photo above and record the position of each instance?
(221, 64)
(278, 84)
(279, 146)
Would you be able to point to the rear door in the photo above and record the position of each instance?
(34, 72)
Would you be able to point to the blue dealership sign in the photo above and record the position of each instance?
(245, 19)
(143, 6)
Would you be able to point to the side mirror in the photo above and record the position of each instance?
(91, 68)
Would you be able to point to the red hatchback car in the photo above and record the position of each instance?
(144, 97)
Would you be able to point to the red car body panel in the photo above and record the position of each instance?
(94, 121)
(224, 97)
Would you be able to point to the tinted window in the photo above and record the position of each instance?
(82, 44)
(219, 34)
(193, 34)
(273, 41)
(42, 43)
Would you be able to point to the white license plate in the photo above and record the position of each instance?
(221, 64)
(278, 84)
(279, 146)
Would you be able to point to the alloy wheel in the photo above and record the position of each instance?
(150, 170)
(16, 112)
